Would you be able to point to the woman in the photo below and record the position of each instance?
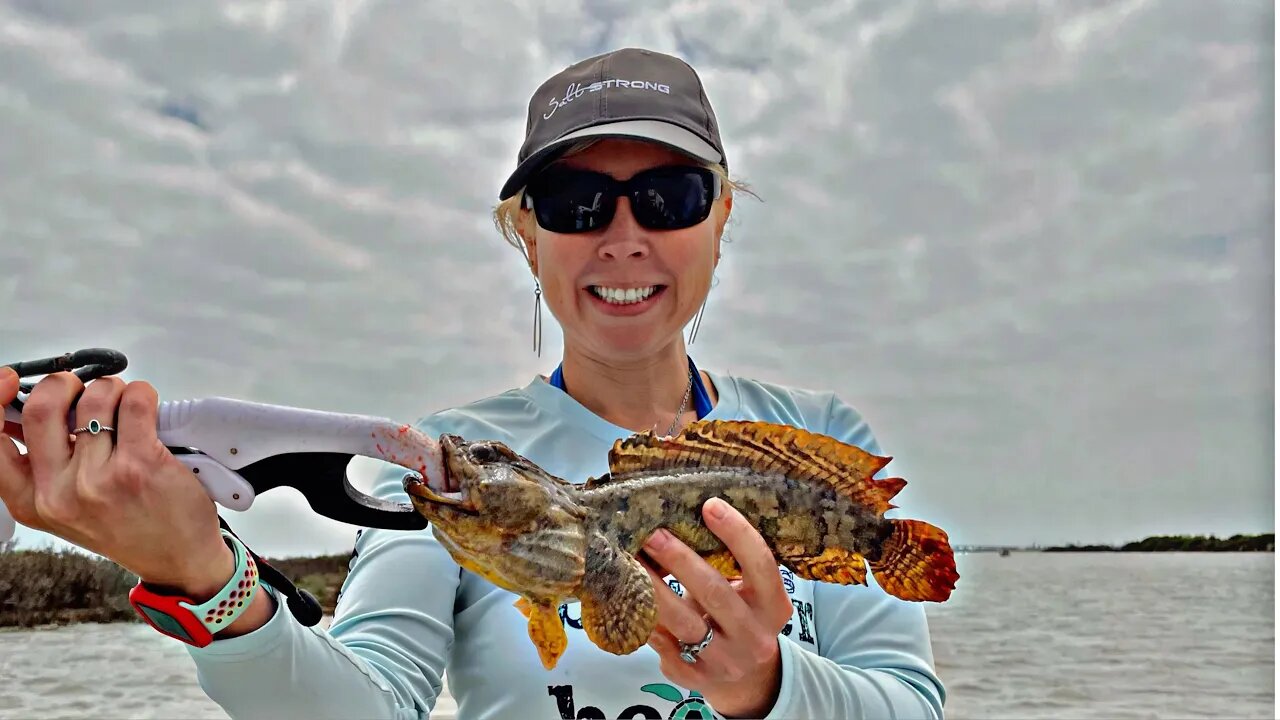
(618, 202)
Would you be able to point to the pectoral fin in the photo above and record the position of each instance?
(618, 608)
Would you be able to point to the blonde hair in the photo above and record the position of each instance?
(507, 215)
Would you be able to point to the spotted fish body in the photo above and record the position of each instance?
(797, 520)
(812, 498)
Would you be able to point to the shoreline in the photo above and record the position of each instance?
(1264, 542)
(51, 589)
(1089, 549)
(44, 589)
(118, 611)
(66, 617)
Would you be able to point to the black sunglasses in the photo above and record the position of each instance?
(566, 200)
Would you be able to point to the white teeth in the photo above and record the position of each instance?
(619, 296)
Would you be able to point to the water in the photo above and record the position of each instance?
(1026, 636)
(1170, 635)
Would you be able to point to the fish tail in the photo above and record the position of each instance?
(916, 562)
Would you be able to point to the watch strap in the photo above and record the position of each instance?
(196, 623)
(230, 602)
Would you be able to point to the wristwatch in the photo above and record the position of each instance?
(182, 618)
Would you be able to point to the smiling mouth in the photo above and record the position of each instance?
(625, 296)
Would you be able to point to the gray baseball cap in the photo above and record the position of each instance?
(629, 93)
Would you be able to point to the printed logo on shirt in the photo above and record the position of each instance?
(686, 708)
(692, 707)
(799, 628)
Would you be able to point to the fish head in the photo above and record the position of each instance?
(510, 522)
(503, 501)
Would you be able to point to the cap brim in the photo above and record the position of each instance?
(656, 131)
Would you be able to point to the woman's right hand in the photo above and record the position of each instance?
(120, 494)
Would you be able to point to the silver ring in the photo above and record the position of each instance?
(93, 428)
(689, 652)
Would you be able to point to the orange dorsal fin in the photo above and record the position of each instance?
(763, 447)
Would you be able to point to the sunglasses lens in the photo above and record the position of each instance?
(671, 199)
(572, 202)
(668, 198)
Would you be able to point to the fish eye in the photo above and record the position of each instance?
(484, 453)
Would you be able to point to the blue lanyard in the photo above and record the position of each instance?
(701, 400)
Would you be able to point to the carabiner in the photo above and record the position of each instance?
(88, 364)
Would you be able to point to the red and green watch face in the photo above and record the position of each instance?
(165, 614)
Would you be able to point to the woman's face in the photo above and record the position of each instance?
(674, 267)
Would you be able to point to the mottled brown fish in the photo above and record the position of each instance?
(811, 497)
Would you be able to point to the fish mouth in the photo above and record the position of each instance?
(455, 472)
(419, 491)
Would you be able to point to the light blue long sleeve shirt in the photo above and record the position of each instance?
(408, 612)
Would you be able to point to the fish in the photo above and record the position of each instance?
(814, 499)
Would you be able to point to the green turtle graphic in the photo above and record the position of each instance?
(690, 708)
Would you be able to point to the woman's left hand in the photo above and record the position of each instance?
(740, 671)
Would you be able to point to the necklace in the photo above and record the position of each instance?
(694, 393)
(683, 405)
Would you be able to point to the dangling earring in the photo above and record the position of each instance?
(697, 319)
(537, 317)
(537, 301)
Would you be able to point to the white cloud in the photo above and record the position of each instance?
(1031, 242)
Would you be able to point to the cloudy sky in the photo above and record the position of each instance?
(1032, 242)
